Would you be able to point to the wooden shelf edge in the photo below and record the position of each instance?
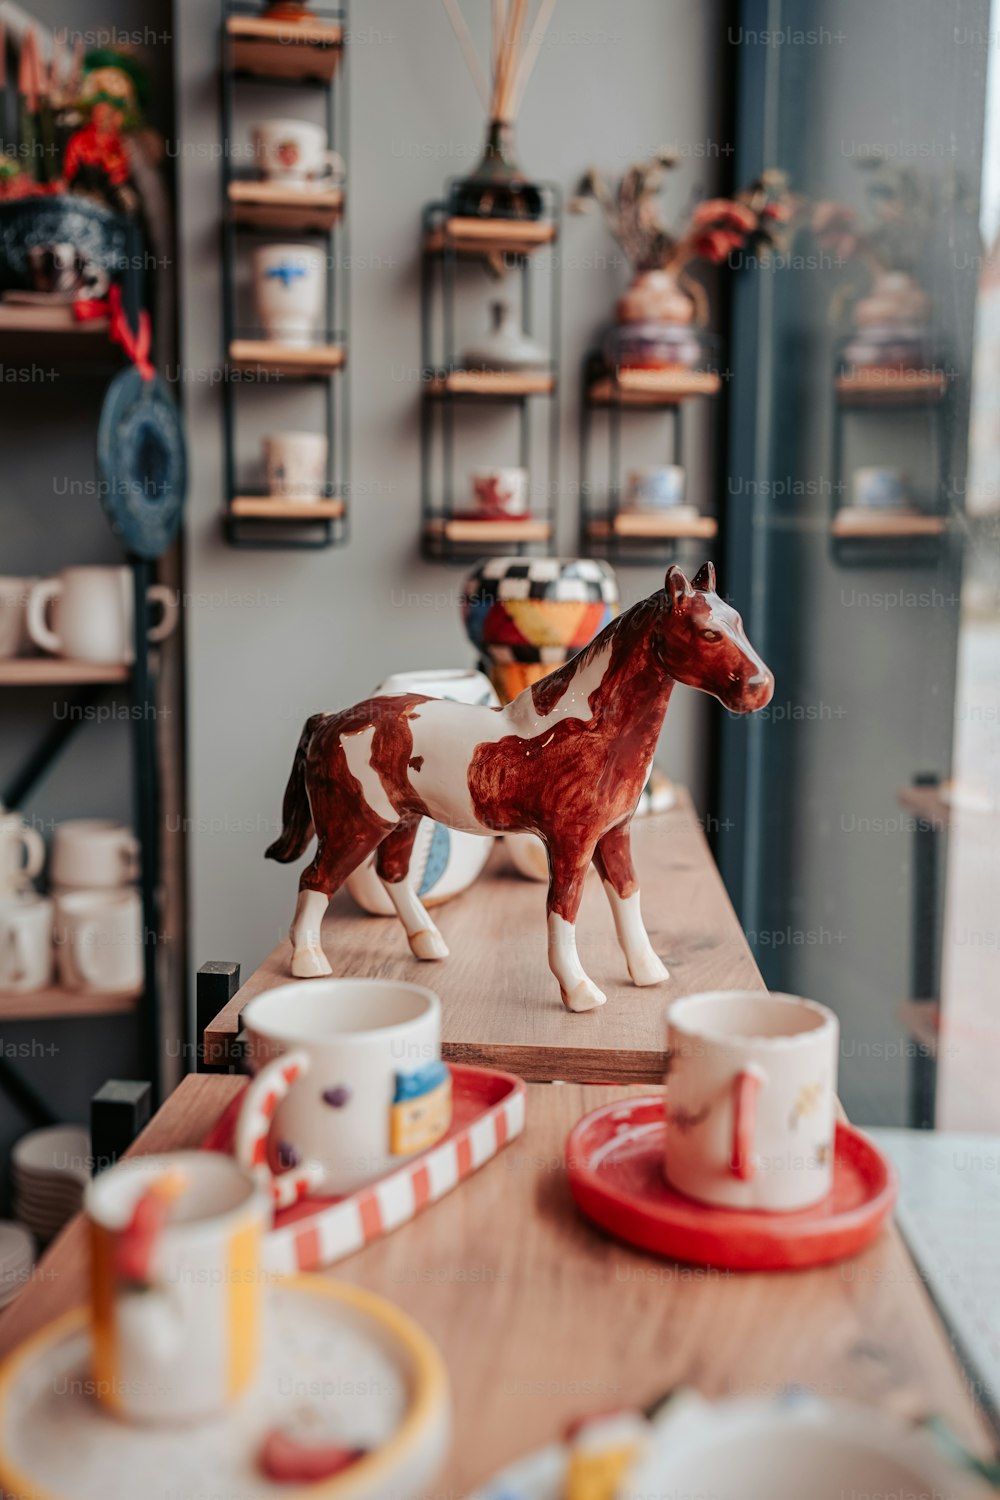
(638, 527)
(264, 507)
(651, 388)
(469, 236)
(491, 383)
(288, 32)
(289, 359)
(56, 671)
(470, 530)
(56, 1003)
(858, 527)
(892, 385)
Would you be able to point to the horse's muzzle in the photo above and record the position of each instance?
(757, 692)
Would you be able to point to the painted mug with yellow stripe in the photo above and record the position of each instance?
(176, 1284)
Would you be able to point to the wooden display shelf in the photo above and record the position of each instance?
(471, 529)
(274, 508)
(275, 205)
(58, 671)
(508, 1253)
(651, 526)
(500, 1003)
(652, 387)
(41, 331)
(857, 524)
(56, 1003)
(892, 386)
(469, 236)
(493, 383)
(273, 48)
(311, 360)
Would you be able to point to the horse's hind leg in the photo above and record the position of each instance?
(393, 865)
(317, 883)
(567, 871)
(613, 859)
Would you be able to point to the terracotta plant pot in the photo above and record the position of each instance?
(655, 297)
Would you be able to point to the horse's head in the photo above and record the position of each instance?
(702, 643)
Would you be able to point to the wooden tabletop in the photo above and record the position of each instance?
(500, 1003)
(542, 1318)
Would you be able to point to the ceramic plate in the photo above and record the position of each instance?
(335, 1357)
(614, 1162)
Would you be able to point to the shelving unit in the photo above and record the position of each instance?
(58, 671)
(862, 537)
(450, 533)
(285, 52)
(606, 528)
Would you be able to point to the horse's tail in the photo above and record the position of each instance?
(296, 816)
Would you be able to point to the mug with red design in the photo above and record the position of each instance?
(751, 1094)
(296, 152)
(348, 1083)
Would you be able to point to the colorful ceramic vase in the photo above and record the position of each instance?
(567, 760)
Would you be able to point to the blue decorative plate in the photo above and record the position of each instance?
(142, 462)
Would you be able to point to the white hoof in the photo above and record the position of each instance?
(428, 944)
(310, 963)
(648, 970)
(584, 996)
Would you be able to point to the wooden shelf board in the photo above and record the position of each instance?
(469, 236)
(649, 526)
(470, 529)
(892, 385)
(54, 1003)
(58, 671)
(493, 383)
(857, 524)
(286, 359)
(652, 387)
(500, 1004)
(275, 205)
(274, 48)
(274, 508)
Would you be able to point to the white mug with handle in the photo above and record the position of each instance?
(94, 853)
(348, 1083)
(22, 853)
(99, 940)
(92, 614)
(25, 944)
(751, 1099)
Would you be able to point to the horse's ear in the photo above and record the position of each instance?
(676, 585)
(704, 579)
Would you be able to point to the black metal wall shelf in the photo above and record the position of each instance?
(449, 533)
(284, 53)
(866, 537)
(607, 529)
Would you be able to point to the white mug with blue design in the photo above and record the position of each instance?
(289, 292)
(348, 1083)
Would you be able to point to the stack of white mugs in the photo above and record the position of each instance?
(89, 929)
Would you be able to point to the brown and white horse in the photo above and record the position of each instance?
(565, 760)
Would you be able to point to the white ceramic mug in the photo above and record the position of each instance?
(22, 853)
(289, 291)
(90, 853)
(296, 464)
(296, 152)
(500, 492)
(878, 488)
(25, 943)
(751, 1099)
(655, 487)
(98, 936)
(92, 614)
(348, 1083)
(14, 593)
(175, 1289)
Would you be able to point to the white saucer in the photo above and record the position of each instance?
(334, 1355)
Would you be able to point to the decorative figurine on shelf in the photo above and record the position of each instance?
(661, 315)
(891, 318)
(97, 163)
(566, 760)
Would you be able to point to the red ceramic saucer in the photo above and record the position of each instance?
(614, 1159)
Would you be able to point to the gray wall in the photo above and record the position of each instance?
(274, 636)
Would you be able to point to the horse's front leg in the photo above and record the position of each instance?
(393, 865)
(567, 872)
(613, 858)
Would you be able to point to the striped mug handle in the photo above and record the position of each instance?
(273, 1082)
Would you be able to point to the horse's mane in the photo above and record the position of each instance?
(547, 692)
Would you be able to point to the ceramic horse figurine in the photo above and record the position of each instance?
(565, 760)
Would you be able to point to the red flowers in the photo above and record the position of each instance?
(718, 227)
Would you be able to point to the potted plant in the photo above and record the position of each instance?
(662, 315)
